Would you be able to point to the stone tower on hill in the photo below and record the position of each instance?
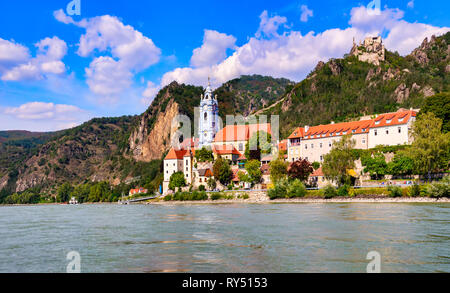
(371, 50)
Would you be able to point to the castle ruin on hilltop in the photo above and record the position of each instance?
(372, 50)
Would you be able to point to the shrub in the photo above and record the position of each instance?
(168, 198)
(296, 189)
(440, 189)
(202, 188)
(230, 187)
(329, 192)
(395, 191)
(245, 196)
(279, 190)
(216, 196)
(343, 190)
(414, 191)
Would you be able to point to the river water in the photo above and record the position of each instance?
(226, 238)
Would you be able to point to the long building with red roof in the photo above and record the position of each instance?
(313, 143)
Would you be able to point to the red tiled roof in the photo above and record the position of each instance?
(225, 150)
(357, 126)
(179, 154)
(317, 173)
(394, 117)
(298, 133)
(240, 132)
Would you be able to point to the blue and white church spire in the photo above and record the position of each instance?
(209, 117)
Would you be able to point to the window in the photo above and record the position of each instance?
(388, 121)
(399, 130)
(174, 164)
(241, 147)
(312, 145)
(320, 145)
(306, 146)
(387, 131)
(353, 131)
(321, 158)
(187, 169)
(206, 116)
(329, 144)
(377, 122)
(187, 162)
(375, 132)
(200, 180)
(364, 141)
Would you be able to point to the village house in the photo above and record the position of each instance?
(139, 190)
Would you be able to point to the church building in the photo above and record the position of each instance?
(209, 118)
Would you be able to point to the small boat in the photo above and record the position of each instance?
(73, 201)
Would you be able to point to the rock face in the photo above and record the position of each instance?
(148, 145)
(420, 53)
(401, 93)
(371, 50)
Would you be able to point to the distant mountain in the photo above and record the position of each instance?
(248, 94)
(347, 88)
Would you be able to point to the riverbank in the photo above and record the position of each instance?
(253, 200)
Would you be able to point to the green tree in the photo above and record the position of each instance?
(64, 191)
(278, 170)
(177, 180)
(204, 155)
(212, 183)
(430, 148)
(253, 169)
(99, 192)
(375, 165)
(300, 170)
(222, 171)
(401, 165)
(439, 105)
(315, 165)
(340, 160)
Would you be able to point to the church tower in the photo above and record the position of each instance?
(209, 118)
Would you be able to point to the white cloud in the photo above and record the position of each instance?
(150, 92)
(213, 50)
(107, 77)
(269, 25)
(40, 110)
(12, 54)
(305, 13)
(293, 54)
(131, 52)
(411, 4)
(19, 66)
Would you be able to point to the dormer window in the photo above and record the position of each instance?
(353, 131)
(389, 121)
(377, 122)
(401, 119)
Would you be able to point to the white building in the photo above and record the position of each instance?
(208, 124)
(313, 143)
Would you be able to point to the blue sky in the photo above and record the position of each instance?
(58, 71)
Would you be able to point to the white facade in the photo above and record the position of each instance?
(391, 135)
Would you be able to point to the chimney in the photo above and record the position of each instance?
(332, 122)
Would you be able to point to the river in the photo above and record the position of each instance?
(226, 238)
